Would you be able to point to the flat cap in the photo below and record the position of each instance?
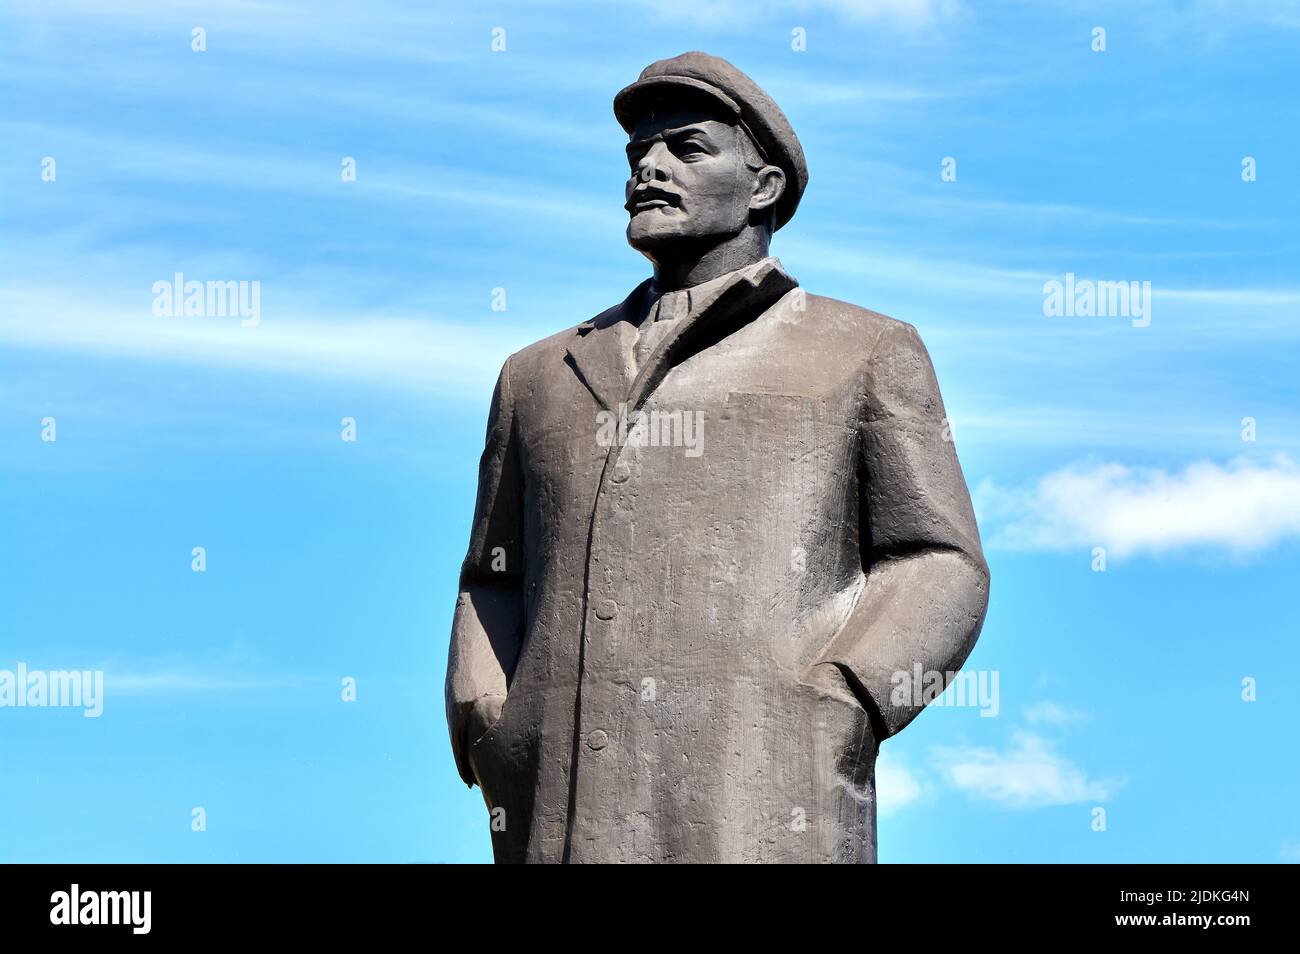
(739, 96)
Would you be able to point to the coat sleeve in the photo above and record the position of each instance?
(926, 581)
(488, 623)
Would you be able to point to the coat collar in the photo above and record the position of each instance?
(599, 353)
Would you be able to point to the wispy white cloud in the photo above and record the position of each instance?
(1242, 506)
(1112, 426)
(906, 14)
(1047, 712)
(794, 90)
(1223, 15)
(236, 667)
(910, 12)
(384, 32)
(1029, 773)
(908, 269)
(896, 785)
(137, 683)
(304, 172)
(885, 266)
(406, 353)
(1235, 297)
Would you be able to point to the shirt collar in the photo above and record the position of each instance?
(687, 301)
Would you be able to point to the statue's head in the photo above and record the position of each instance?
(710, 156)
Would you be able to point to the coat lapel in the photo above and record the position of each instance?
(599, 354)
(739, 298)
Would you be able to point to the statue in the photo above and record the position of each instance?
(718, 527)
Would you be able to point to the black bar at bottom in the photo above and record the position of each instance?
(331, 903)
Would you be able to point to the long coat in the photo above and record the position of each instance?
(656, 619)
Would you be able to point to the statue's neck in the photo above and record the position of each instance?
(699, 266)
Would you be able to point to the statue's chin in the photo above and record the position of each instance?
(650, 230)
(671, 238)
(659, 233)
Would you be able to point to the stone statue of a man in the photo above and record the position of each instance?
(718, 525)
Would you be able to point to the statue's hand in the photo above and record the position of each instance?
(484, 715)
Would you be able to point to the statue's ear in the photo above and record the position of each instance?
(769, 185)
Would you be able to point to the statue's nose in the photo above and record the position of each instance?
(651, 166)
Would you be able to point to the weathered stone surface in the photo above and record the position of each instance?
(683, 648)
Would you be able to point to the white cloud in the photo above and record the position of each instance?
(1220, 15)
(178, 681)
(907, 14)
(297, 171)
(1198, 310)
(410, 354)
(382, 31)
(1052, 713)
(1243, 506)
(896, 786)
(1029, 774)
(1234, 297)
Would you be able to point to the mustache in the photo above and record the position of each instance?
(650, 193)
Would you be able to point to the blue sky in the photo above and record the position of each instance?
(479, 170)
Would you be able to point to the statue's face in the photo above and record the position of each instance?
(689, 183)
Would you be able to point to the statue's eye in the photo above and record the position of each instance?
(691, 147)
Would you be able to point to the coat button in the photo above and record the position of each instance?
(597, 739)
(606, 609)
(622, 471)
